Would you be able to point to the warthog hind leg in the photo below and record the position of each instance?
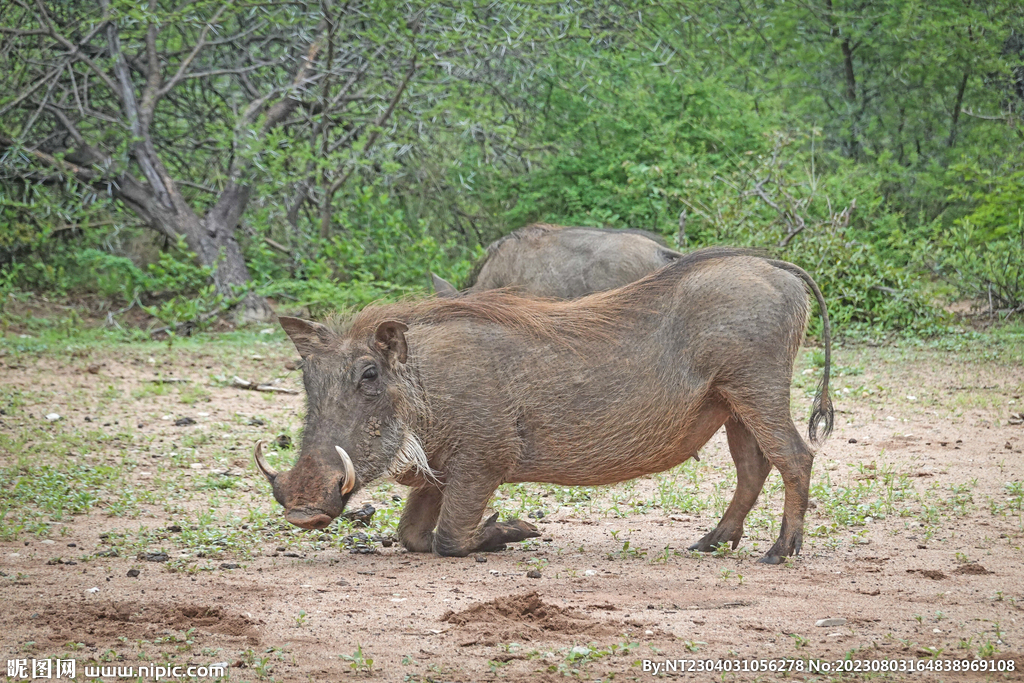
(751, 470)
(793, 458)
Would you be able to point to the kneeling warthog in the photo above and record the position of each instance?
(565, 262)
(453, 397)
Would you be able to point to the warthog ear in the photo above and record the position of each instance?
(390, 336)
(309, 337)
(442, 287)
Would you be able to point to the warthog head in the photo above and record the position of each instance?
(354, 431)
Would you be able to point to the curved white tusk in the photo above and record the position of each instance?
(350, 471)
(266, 469)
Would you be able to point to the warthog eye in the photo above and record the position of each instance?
(370, 373)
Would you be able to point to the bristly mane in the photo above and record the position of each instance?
(597, 315)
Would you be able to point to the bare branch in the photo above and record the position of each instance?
(75, 50)
(187, 62)
(325, 207)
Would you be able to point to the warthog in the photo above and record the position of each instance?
(564, 262)
(453, 397)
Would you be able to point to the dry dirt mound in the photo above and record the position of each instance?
(105, 621)
(522, 618)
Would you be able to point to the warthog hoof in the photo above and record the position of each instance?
(773, 559)
(495, 534)
(710, 542)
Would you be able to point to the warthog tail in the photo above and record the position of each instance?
(822, 412)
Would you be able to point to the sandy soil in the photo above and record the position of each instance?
(914, 539)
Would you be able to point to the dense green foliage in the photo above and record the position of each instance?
(878, 146)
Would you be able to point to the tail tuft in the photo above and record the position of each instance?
(822, 413)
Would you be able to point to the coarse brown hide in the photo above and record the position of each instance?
(565, 262)
(454, 397)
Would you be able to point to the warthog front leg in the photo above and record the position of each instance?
(459, 531)
(416, 528)
(751, 470)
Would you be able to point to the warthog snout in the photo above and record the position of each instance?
(311, 506)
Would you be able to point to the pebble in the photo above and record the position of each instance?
(481, 558)
(52, 417)
(133, 573)
(93, 590)
(153, 557)
(534, 574)
(589, 572)
(48, 542)
(833, 621)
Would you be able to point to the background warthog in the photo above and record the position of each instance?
(564, 262)
(455, 396)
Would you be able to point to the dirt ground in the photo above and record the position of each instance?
(132, 537)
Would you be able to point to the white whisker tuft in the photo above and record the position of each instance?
(410, 456)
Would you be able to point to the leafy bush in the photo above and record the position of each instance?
(379, 254)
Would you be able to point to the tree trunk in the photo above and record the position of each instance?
(211, 237)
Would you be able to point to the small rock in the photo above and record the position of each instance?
(48, 542)
(196, 466)
(72, 545)
(94, 369)
(480, 558)
(590, 572)
(362, 516)
(580, 651)
(828, 623)
(265, 330)
(256, 422)
(94, 589)
(153, 557)
(291, 365)
(280, 549)
(536, 514)
(852, 441)
(534, 574)
(133, 573)
(184, 421)
(292, 555)
(52, 417)
(283, 442)
(229, 565)
(174, 529)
